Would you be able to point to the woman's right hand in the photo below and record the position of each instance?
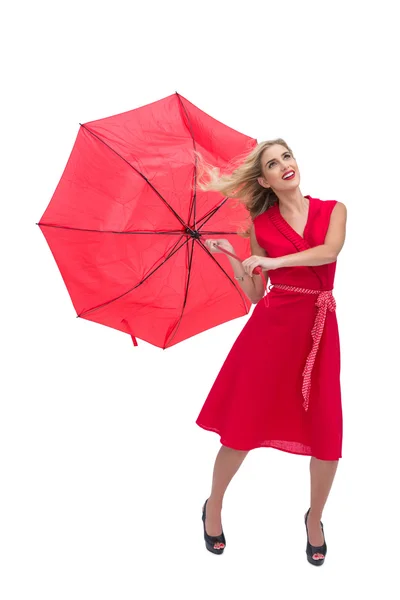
(213, 245)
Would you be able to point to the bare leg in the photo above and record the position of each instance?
(322, 473)
(226, 465)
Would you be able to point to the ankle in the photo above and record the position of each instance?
(215, 503)
(314, 517)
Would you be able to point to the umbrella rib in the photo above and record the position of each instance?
(212, 212)
(219, 232)
(225, 273)
(184, 300)
(168, 232)
(193, 203)
(173, 251)
(139, 173)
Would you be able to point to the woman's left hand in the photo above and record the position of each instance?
(265, 262)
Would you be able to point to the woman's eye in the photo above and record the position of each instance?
(273, 162)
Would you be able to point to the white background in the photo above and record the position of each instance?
(103, 471)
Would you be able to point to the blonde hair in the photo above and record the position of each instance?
(241, 183)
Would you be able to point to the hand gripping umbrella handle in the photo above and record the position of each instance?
(256, 270)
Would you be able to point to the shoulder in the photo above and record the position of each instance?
(333, 207)
(341, 205)
(339, 208)
(337, 215)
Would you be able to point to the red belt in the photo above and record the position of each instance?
(324, 302)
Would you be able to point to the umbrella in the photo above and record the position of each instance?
(127, 222)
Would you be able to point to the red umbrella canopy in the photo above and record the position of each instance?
(127, 223)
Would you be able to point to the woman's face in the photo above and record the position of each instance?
(275, 162)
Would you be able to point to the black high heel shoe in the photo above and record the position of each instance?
(313, 550)
(215, 544)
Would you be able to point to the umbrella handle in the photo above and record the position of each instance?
(256, 271)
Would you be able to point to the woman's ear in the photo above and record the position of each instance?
(262, 182)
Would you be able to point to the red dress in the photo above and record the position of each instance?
(278, 387)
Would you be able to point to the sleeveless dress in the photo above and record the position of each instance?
(279, 386)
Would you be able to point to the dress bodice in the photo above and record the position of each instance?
(278, 238)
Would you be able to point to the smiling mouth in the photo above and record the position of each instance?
(289, 177)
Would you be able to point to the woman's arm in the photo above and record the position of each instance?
(324, 253)
(253, 286)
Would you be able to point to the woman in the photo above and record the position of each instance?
(279, 386)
